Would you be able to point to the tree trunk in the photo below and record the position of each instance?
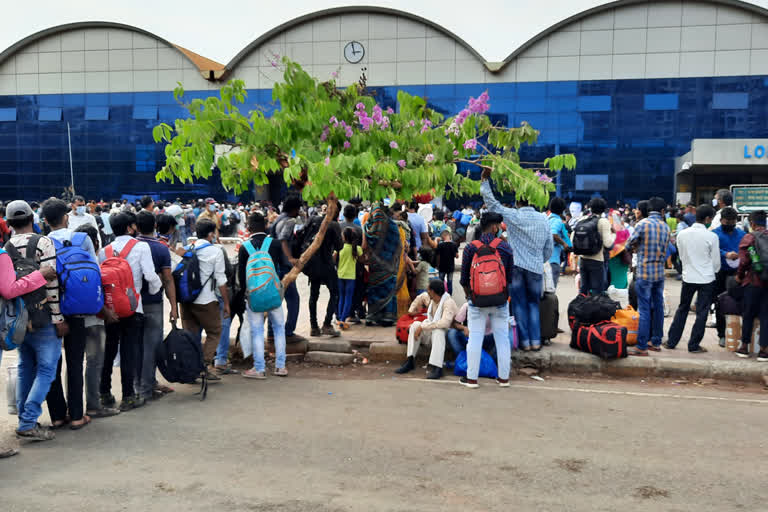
(330, 215)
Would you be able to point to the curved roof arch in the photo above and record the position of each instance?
(613, 5)
(209, 68)
(336, 11)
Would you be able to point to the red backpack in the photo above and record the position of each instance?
(117, 278)
(487, 276)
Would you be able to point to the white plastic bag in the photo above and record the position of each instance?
(549, 282)
(10, 391)
(619, 295)
(667, 307)
(246, 342)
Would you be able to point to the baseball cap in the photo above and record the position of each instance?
(177, 213)
(210, 200)
(18, 210)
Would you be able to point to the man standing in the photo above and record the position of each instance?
(148, 204)
(441, 310)
(322, 272)
(755, 291)
(283, 229)
(79, 215)
(650, 240)
(153, 305)
(561, 240)
(729, 236)
(723, 199)
(419, 227)
(210, 213)
(490, 224)
(529, 233)
(700, 255)
(204, 312)
(593, 270)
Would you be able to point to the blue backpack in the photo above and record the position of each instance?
(79, 277)
(186, 275)
(264, 290)
(13, 321)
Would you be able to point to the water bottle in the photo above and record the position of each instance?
(10, 391)
(755, 259)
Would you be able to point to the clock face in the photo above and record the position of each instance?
(354, 52)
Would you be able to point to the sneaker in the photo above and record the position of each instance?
(721, 342)
(328, 330)
(762, 356)
(698, 350)
(667, 346)
(7, 451)
(743, 351)
(315, 332)
(36, 433)
(108, 400)
(471, 384)
(294, 338)
(503, 383)
(139, 401)
(212, 377)
(104, 412)
(126, 404)
(280, 372)
(254, 374)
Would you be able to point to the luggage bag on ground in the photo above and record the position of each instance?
(549, 316)
(630, 319)
(180, 359)
(591, 309)
(605, 339)
(404, 324)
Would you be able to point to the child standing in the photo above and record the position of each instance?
(348, 256)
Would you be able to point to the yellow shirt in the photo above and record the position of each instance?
(347, 262)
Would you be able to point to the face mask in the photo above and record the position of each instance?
(499, 233)
(728, 228)
(80, 210)
(212, 208)
(714, 202)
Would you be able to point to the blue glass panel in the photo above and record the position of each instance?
(730, 100)
(7, 114)
(661, 101)
(97, 113)
(145, 112)
(50, 100)
(594, 104)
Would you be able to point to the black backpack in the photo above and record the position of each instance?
(180, 359)
(591, 309)
(35, 301)
(586, 237)
(761, 246)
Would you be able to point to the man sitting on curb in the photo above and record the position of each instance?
(441, 309)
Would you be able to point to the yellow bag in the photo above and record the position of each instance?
(630, 319)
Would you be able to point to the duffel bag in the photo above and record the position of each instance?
(728, 304)
(630, 319)
(591, 309)
(605, 339)
(404, 324)
(549, 316)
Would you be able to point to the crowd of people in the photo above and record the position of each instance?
(379, 263)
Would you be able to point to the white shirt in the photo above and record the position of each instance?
(107, 225)
(75, 221)
(212, 269)
(700, 253)
(65, 234)
(142, 267)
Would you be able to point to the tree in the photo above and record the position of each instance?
(339, 143)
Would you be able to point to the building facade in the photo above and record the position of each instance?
(626, 87)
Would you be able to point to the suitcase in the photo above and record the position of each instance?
(549, 315)
(404, 324)
(630, 319)
(605, 339)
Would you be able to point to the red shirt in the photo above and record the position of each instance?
(745, 273)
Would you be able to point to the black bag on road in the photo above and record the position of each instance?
(180, 359)
(605, 339)
(591, 309)
(549, 315)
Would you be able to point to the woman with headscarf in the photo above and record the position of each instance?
(384, 242)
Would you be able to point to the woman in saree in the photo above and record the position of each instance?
(384, 243)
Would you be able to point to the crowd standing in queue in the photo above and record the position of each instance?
(382, 264)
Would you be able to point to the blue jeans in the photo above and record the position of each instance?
(38, 359)
(222, 351)
(277, 321)
(476, 318)
(346, 296)
(525, 290)
(292, 303)
(555, 272)
(448, 278)
(650, 302)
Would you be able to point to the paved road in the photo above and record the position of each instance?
(318, 444)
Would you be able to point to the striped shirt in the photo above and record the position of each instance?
(45, 257)
(651, 240)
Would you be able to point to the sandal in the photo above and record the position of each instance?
(86, 421)
(59, 424)
(165, 389)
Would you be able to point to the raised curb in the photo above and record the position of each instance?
(330, 345)
(330, 358)
(387, 351)
(290, 348)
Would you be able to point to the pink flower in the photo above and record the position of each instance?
(327, 160)
(324, 135)
(332, 120)
(455, 153)
(463, 115)
(335, 74)
(401, 163)
(390, 111)
(377, 116)
(470, 144)
(412, 123)
(360, 106)
(274, 63)
(348, 132)
(347, 145)
(393, 144)
(429, 158)
(479, 105)
(385, 123)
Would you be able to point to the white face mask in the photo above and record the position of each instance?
(80, 210)
(714, 202)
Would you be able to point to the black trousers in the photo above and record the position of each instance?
(720, 280)
(74, 352)
(755, 305)
(704, 293)
(127, 334)
(331, 281)
(357, 298)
